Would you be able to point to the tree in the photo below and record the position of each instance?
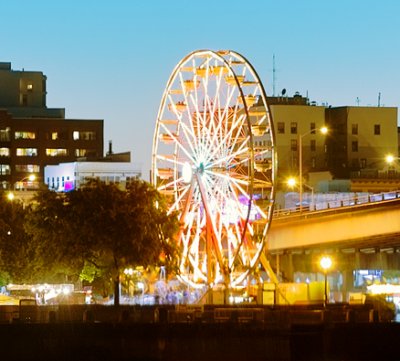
(15, 243)
(103, 229)
(53, 258)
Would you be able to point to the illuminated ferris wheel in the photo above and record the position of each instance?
(214, 158)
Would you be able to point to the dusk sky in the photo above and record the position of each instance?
(111, 60)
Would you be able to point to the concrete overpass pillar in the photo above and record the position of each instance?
(382, 261)
(357, 255)
(289, 267)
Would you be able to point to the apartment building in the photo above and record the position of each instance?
(33, 136)
(361, 138)
(357, 142)
(297, 123)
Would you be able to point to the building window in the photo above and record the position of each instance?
(27, 168)
(5, 135)
(4, 169)
(313, 146)
(293, 145)
(281, 128)
(88, 152)
(313, 162)
(354, 146)
(56, 152)
(4, 152)
(26, 152)
(29, 87)
(363, 163)
(56, 135)
(293, 128)
(84, 135)
(312, 128)
(25, 135)
(377, 129)
(24, 100)
(354, 129)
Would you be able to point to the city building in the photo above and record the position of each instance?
(65, 177)
(355, 147)
(361, 139)
(298, 123)
(33, 136)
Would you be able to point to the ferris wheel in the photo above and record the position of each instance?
(214, 158)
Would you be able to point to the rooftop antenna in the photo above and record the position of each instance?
(379, 99)
(273, 75)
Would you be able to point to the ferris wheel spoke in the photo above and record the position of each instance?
(171, 160)
(210, 221)
(224, 137)
(224, 143)
(178, 143)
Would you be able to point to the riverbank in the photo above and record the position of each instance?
(80, 332)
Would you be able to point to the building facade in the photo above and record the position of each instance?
(361, 139)
(33, 136)
(65, 177)
(297, 123)
(357, 142)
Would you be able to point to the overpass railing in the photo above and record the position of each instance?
(352, 200)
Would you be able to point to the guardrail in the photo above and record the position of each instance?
(345, 202)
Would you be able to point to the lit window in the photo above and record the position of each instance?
(25, 135)
(26, 152)
(87, 135)
(75, 135)
(27, 168)
(54, 135)
(56, 152)
(29, 87)
(80, 152)
(4, 169)
(4, 152)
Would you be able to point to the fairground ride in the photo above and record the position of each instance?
(214, 158)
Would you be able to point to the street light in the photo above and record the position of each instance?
(389, 159)
(291, 182)
(323, 130)
(326, 264)
(23, 199)
(30, 178)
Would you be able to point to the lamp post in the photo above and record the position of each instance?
(323, 130)
(30, 178)
(390, 161)
(325, 263)
(23, 199)
(291, 182)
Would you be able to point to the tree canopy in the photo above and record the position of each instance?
(98, 230)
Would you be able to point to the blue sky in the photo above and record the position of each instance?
(111, 59)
